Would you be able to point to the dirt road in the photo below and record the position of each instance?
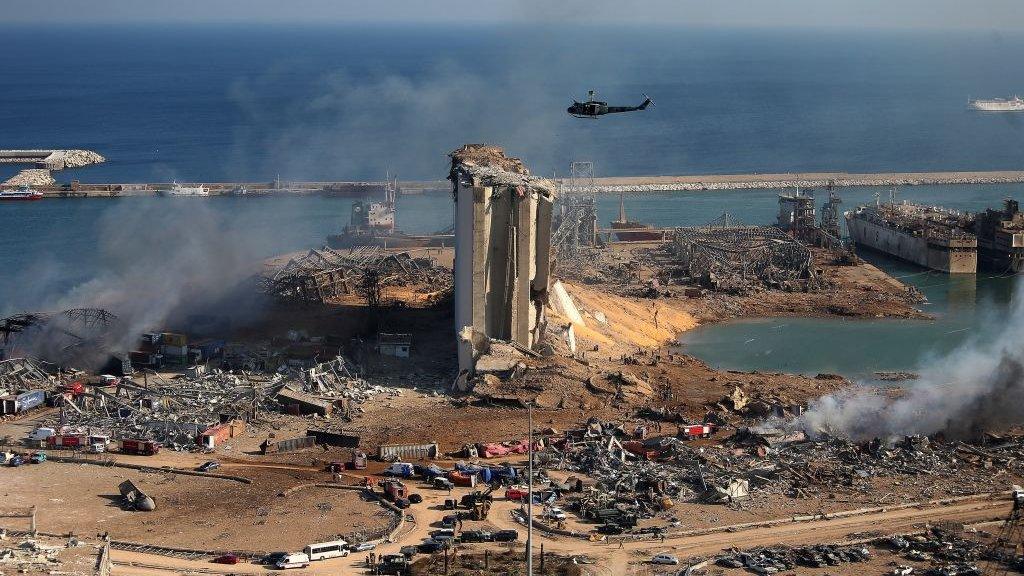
(630, 558)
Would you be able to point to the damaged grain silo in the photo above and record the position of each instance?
(502, 248)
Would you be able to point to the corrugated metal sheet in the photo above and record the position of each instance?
(291, 444)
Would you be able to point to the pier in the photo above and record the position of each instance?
(612, 184)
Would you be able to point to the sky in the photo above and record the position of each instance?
(910, 14)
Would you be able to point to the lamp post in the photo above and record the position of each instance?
(529, 502)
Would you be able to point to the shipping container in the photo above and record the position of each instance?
(408, 451)
(288, 445)
(30, 400)
(215, 435)
(176, 352)
(172, 339)
(141, 447)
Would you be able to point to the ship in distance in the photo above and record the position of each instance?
(1015, 104)
(179, 190)
(23, 192)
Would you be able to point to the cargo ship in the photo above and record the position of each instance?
(1001, 238)
(1015, 104)
(627, 230)
(373, 224)
(23, 193)
(931, 237)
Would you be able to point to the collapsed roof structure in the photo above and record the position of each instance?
(727, 254)
(326, 274)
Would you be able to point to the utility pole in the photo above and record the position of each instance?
(529, 502)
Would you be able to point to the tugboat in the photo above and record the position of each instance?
(627, 230)
(23, 193)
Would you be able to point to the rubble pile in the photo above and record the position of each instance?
(947, 551)
(326, 274)
(645, 475)
(23, 374)
(333, 379)
(30, 556)
(174, 412)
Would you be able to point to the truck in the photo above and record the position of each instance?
(691, 431)
(394, 489)
(69, 440)
(139, 447)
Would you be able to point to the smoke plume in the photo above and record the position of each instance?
(977, 387)
(158, 263)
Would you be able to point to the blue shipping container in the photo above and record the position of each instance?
(30, 400)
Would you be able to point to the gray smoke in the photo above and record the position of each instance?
(977, 387)
(158, 263)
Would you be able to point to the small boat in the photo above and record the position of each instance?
(627, 230)
(179, 190)
(23, 193)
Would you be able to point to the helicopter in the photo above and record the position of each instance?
(594, 108)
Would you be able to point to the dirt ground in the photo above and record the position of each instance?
(192, 512)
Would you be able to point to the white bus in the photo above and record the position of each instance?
(324, 550)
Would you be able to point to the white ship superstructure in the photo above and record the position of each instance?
(1015, 104)
(179, 190)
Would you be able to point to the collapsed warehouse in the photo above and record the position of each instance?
(323, 275)
(727, 255)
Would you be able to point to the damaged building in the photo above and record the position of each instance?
(503, 248)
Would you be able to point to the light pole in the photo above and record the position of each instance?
(529, 501)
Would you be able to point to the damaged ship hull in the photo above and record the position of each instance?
(953, 254)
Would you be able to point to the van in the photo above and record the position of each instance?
(325, 550)
(298, 560)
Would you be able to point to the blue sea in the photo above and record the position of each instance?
(223, 103)
(219, 102)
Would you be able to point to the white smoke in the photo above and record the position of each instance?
(975, 388)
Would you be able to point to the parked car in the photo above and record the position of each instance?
(208, 466)
(611, 529)
(430, 546)
(443, 484)
(37, 457)
(450, 520)
(665, 559)
(555, 514)
(226, 559)
(476, 536)
(409, 551)
(362, 547)
(516, 493)
(506, 536)
(274, 557)
(5, 457)
(16, 460)
(415, 498)
(442, 532)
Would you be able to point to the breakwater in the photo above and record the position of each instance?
(633, 184)
(612, 184)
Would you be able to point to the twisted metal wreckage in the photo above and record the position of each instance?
(727, 254)
(326, 274)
